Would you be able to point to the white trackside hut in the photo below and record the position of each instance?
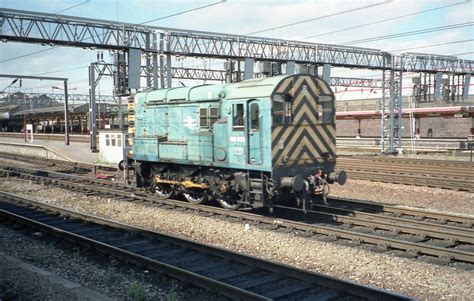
(113, 146)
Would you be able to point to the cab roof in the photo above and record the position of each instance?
(252, 88)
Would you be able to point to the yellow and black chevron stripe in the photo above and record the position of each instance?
(131, 120)
(305, 140)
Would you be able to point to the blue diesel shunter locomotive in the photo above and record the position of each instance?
(253, 143)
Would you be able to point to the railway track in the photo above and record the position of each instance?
(53, 137)
(231, 274)
(433, 236)
(428, 173)
(60, 165)
(355, 206)
(431, 173)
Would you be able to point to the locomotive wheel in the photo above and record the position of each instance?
(229, 204)
(164, 191)
(195, 197)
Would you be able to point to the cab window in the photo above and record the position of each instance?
(282, 108)
(238, 117)
(326, 110)
(254, 116)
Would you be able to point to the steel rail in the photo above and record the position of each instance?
(400, 211)
(421, 174)
(394, 224)
(413, 168)
(55, 137)
(90, 230)
(432, 171)
(410, 161)
(56, 162)
(406, 179)
(355, 205)
(413, 248)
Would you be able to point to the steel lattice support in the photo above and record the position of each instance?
(72, 97)
(66, 105)
(220, 75)
(32, 27)
(417, 62)
(161, 45)
(384, 115)
(93, 107)
(391, 124)
(355, 82)
(241, 47)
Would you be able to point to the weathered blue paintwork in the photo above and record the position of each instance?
(167, 125)
(232, 126)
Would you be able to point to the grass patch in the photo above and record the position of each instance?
(136, 292)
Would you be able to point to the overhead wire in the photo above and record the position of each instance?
(62, 70)
(408, 33)
(62, 10)
(386, 20)
(419, 47)
(161, 18)
(74, 6)
(462, 53)
(316, 18)
(432, 45)
(321, 17)
(184, 12)
(75, 68)
(48, 49)
(25, 55)
(354, 42)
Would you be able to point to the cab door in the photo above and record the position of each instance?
(254, 133)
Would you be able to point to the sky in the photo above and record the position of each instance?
(321, 21)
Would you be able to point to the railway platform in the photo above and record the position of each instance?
(76, 151)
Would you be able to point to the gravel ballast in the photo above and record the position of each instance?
(415, 278)
(90, 269)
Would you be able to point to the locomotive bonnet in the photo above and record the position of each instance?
(255, 143)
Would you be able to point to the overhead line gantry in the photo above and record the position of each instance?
(158, 46)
